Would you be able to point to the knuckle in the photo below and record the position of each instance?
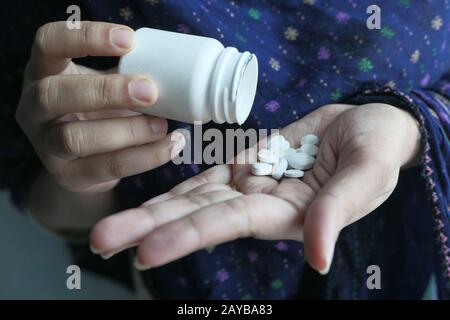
(116, 167)
(42, 94)
(71, 138)
(104, 88)
(41, 37)
(88, 34)
(129, 131)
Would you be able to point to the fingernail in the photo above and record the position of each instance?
(107, 256)
(158, 125)
(325, 270)
(141, 90)
(93, 249)
(177, 138)
(178, 142)
(123, 38)
(138, 265)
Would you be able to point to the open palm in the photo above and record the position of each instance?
(356, 170)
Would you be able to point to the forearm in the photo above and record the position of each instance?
(64, 212)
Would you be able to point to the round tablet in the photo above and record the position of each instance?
(309, 148)
(274, 140)
(261, 169)
(279, 168)
(300, 161)
(293, 173)
(268, 156)
(278, 144)
(288, 152)
(310, 138)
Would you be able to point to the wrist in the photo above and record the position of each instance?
(412, 141)
(58, 209)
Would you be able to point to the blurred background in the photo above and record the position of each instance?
(33, 263)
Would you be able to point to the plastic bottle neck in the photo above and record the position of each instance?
(233, 86)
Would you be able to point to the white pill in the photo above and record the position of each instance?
(261, 169)
(300, 161)
(279, 168)
(268, 156)
(293, 173)
(285, 145)
(288, 152)
(275, 141)
(309, 148)
(278, 144)
(310, 139)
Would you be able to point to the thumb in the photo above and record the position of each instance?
(351, 193)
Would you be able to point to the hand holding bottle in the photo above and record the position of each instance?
(78, 119)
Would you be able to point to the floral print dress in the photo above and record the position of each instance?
(310, 53)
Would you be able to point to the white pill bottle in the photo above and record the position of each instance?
(198, 79)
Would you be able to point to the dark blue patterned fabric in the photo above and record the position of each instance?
(312, 53)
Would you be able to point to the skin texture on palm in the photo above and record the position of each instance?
(361, 152)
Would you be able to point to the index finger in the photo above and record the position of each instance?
(256, 215)
(55, 44)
